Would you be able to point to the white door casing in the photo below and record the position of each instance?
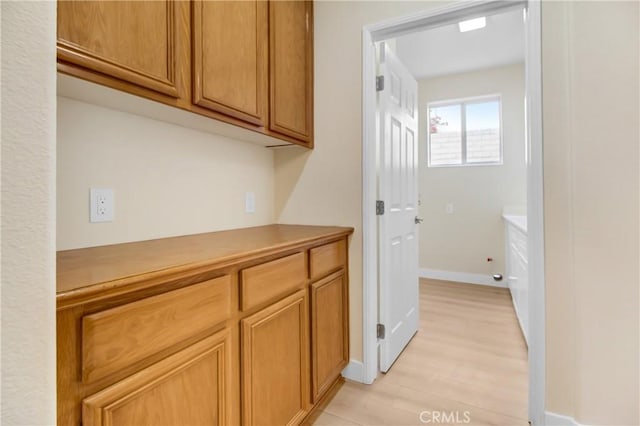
(437, 16)
(398, 188)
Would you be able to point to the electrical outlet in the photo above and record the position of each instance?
(449, 208)
(101, 205)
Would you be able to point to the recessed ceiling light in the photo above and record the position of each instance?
(472, 24)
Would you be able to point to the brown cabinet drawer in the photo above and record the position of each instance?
(117, 338)
(269, 280)
(327, 258)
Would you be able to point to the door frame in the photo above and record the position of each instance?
(535, 209)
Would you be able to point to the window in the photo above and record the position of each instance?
(465, 133)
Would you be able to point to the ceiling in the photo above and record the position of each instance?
(445, 50)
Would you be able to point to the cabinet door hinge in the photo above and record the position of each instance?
(379, 83)
(380, 331)
(379, 207)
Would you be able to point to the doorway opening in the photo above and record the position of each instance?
(462, 111)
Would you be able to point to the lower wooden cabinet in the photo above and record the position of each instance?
(330, 331)
(258, 340)
(167, 392)
(275, 363)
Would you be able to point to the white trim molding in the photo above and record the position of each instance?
(354, 371)
(369, 219)
(553, 419)
(462, 277)
(535, 213)
(522, 329)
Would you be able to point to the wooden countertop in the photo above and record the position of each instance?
(84, 273)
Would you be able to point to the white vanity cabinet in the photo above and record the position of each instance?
(517, 268)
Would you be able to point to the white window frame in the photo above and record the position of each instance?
(463, 102)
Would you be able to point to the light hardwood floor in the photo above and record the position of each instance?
(468, 359)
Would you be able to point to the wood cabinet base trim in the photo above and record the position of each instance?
(323, 401)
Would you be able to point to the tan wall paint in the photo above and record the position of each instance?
(462, 242)
(168, 180)
(325, 186)
(28, 359)
(591, 139)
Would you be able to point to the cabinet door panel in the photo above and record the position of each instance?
(134, 41)
(230, 45)
(291, 66)
(330, 333)
(275, 362)
(188, 388)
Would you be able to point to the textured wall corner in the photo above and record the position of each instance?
(592, 205)
(28, 212)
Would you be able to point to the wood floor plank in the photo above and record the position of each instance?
(327, 419)
(467, 357)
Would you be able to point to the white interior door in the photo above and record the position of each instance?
(398, 188)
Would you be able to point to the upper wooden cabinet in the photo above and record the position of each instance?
(248, 63)
(230, 58)
(134, 41)
(291, 68)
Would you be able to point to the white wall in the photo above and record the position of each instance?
(591, 116)
(28, 213)
(462, 241)
(168, 180)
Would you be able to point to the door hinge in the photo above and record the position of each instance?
(379, 83)
(379, 207)
(380, 331)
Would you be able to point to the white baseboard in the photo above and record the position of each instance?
(515, 308)
(462, 277)
(354, 371)
(553, 419)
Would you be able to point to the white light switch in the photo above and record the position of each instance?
(101, 205)
(250, 202)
